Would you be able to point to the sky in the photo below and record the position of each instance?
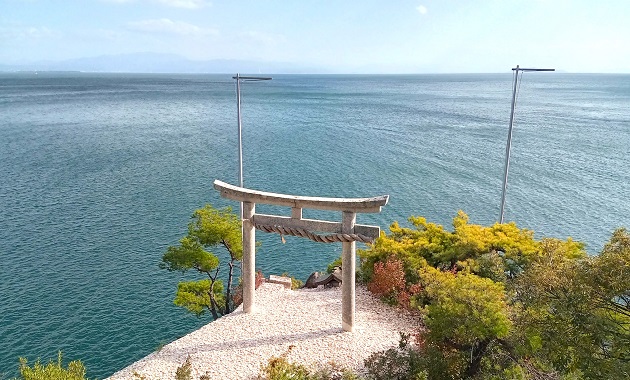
(386, 36)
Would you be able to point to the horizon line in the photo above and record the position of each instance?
(295, 73)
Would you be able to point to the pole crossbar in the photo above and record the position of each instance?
(238, 76)
(524, 69)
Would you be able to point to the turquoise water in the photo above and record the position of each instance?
(99, 173)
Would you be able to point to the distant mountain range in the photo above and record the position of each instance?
(173, 63)
(162, 63)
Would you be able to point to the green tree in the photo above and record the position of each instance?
(575, 314)
(209, 228)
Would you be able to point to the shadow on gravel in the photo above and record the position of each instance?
(270, 340)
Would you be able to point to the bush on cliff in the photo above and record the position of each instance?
(280, 368)
(498, 303)
(53, 370)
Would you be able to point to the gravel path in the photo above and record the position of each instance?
(235, 346)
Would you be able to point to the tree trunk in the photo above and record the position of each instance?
(213, 307)
(213, 301)
(478, 353)
(228, 290)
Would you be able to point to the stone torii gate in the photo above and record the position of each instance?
(347, 232)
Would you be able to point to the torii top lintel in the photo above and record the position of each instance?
(357, 205)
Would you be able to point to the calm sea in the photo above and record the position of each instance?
(99, 173)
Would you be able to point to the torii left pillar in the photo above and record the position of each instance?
(249, 258)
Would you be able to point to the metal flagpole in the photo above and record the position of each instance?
(509, 139)
(240, 130)
(240, 78)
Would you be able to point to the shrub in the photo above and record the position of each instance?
(295, 283)
(52, 370)
(401, 363)
(466, 309)
(138, 376)
(499, 304)
(388, 278)
(388, 283)
(184, 372)
(279, 368)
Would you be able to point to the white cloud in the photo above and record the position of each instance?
(188, 4)
(422, 9)
(263, 38)
(22, 32)
(42, 32)
(110, 34)
(165, 25)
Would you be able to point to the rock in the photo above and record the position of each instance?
(285, 281)
(332, 280)
(312, 279)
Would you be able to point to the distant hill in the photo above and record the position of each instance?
(162, 63)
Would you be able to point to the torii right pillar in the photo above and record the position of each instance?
(348, 267)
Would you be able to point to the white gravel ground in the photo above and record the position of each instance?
(237, 345)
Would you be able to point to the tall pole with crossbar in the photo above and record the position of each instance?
(240, 78)
(508, 145)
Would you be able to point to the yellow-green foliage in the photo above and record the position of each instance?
(498, 303)
(498, 252)
(213, 227)
(194, 296)
(189, 254)
(466, 308)
(52, 370)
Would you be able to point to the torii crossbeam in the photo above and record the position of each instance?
(347, 232)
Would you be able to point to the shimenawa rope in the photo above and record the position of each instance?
(300, 232)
